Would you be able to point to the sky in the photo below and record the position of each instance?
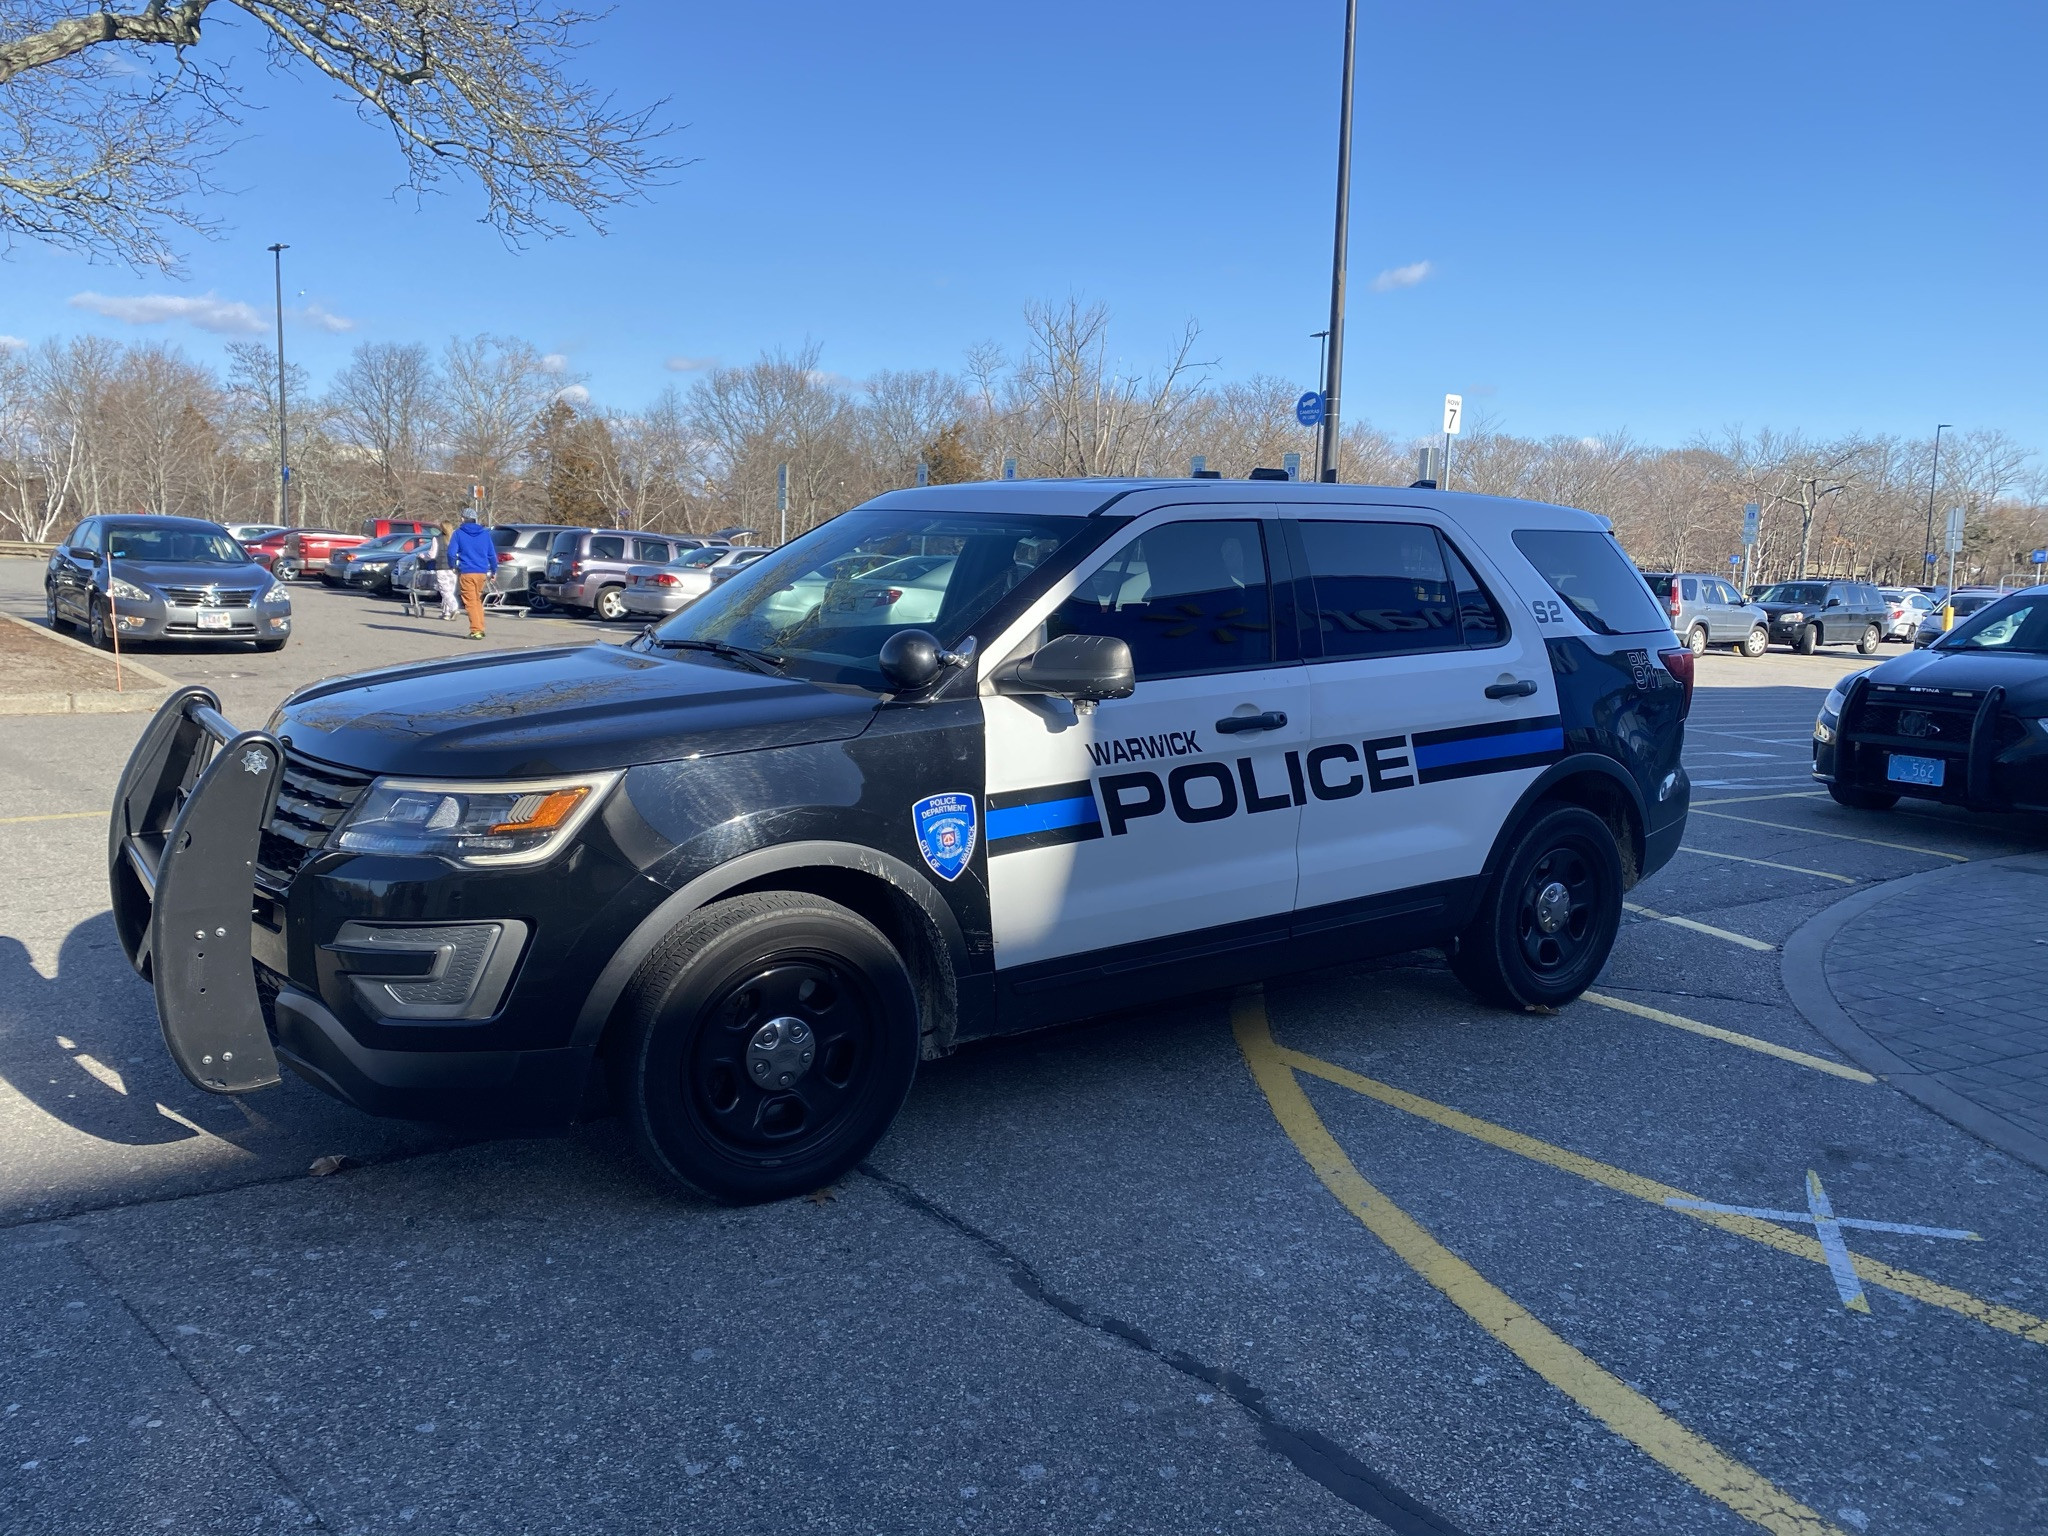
(1585, 218)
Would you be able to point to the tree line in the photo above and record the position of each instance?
(89, 425)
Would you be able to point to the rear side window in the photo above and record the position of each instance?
(607, 546)
(1589, 571)
(1383, 589)
(654, 550)
(1690, 589)
(1186, 597)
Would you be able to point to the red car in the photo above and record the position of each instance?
(305, 551)
(379, 527)
(264, 551)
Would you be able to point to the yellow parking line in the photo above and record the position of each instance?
(1730, 1037)
(1787, 794)
(1698, 927)
(1594, 1388)
(1743, 858)
(15, 821)
(1847, 837)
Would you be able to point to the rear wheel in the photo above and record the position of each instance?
(1696, 640)
(769, 1041)
(1808, 641)
(1862, 799)
(1872, 638)
(611, 604)
(1548, 921)
(1756, 642)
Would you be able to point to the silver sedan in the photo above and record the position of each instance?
(656, 591)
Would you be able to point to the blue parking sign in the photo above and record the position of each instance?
(1308, 410)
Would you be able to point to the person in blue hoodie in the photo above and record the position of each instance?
(474, 556)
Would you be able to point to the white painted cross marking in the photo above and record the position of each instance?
(1827, 1226)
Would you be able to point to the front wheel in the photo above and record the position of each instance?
(269, 645)
(1548, 920)
(1872, 638)
(1861, 799)
(96, 630)
(769, 1041)
(611, 605)
(1808, 641)
(1696, 640)
(56, 620)
(284, 570)
(1756, 642)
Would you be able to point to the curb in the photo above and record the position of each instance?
(1803, 972)
(95, 702)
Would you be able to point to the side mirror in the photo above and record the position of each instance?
(1834, 602)
(1085, 668)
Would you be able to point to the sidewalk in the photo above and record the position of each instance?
(1939, 984)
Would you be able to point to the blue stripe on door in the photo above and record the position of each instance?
(1477, 749)
(1045, 816)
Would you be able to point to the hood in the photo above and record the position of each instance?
(1777, 610)
(170, 573)
(2023, 676)
(524, 714)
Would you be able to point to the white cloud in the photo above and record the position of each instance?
(11, 343)
(690, 364)
(575, 394)
(1402, 277)
(321, 318)
(207, 311)
(554, 362)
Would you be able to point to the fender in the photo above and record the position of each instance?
(1573, 766)
(744, 870)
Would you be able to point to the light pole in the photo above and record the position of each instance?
(284, 472)
(1322, 375)
(1333, 370)
(1927, 555)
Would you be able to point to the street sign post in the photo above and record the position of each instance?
(782, 501)
(1955, 530)
(1291, 463)
(1454, 410)
(1308, 410)
(924, 473)
(2040, 557)
(1752, 520)
(1196, 464)
(1009, 469)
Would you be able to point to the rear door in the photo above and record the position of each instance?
(1431, 710)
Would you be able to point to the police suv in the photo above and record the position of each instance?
(964, 761)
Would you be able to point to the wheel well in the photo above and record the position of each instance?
(1606, 799)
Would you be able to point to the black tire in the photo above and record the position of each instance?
(611, 604)
(1758, 641)
(1808, 641)
(1696, 640)
(1508, 956)
(269, 645)
(535, 603)
(96, 628)
(687, 1071)
(1861, 799)
(57, 621)
(1872, 638)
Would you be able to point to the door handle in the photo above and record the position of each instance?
(1271, 720)
(1516, 690)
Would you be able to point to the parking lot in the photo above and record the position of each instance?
(1348, 1253)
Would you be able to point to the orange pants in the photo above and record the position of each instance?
(472, 584)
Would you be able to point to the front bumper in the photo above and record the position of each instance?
(1991, 759)
(161, 620)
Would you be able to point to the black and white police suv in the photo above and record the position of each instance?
(964, 761)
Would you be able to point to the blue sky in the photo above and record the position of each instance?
(1826, 217)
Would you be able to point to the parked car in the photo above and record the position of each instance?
(306, 551)
(523, 555)
(163, 578)
(733, 562)
(384, 527)
(656, 591)
(246, 534)
(587, 567)
(1908, 606)
(265, 550)
(1809, 614)
(1958, 721)
(1705, 610)
(368, 566)
(1961, 603)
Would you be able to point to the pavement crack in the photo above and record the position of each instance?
(1311, 1453)
(207, 1396)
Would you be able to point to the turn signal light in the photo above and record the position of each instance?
(1679, 663)
(545, 812)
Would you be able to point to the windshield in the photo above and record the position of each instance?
(820, 606)
(2017, 624)
(1793, 592)
(174, 546)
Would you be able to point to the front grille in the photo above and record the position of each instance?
(1918, 722)
(312, 798)
(205, 597)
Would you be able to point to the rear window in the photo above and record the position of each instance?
(505, 538)
(1660, 586)
(565, 542)
(1589, 571)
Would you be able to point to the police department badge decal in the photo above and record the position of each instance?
(945, 832)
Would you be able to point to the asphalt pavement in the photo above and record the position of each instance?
(1346, 1253)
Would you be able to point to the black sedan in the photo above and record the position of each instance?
(1959, 721)
(368, 567)
(163, 578)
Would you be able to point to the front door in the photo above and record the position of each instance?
(1171, 811)
(1430, 711)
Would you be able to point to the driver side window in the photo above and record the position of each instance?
(1186, 597)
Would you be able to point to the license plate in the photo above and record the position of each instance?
(215, 618)
(1915, 770)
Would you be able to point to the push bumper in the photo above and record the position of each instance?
(1992, 763)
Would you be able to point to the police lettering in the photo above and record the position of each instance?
(1210, 791)
(1138, 749)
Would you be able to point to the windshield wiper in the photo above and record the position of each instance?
(761, 661)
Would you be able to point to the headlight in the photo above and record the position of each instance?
(1791, 618)
(277, 595)
(1832, 704)
(128, 592)
(479, 825)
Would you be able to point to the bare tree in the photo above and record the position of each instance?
(386, 403)
(493, 392)
(114, 116)
(1076, 411)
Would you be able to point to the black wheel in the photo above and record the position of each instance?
(270, 645)
(1756, 642)
(56, 620)
(1696, 640)
(96, 630)
(535, 603)
(770, 1040)
(1548, 920)
(1808, 641)
(1861, 799)
(1872, 638)
(611, 604)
